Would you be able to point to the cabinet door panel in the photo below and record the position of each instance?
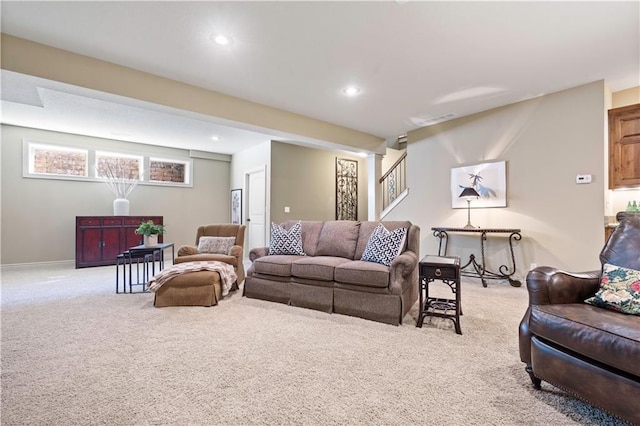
(131, 239)
(111, 245)
(91, 239)
(624, 147)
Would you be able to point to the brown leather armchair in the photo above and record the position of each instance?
(592, 353)
(235, 256)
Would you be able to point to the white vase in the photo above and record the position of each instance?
(151, 240)
(121, 207)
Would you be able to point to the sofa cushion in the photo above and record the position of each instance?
(600, 334)
(219, 245)
(359, 272)
(384, 245)
(366, 229)
(275, 265)
(310, 234)
(619, 290)
(316, 268)
(284, 242)
(338, 238)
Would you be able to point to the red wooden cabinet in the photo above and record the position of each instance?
(100, 239)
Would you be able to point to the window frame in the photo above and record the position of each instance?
(92, 155)
(28, 167)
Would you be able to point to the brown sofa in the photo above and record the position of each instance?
(332, 278)
(233, 257)
(591, 352)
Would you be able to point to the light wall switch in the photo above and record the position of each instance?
(583, 179)
(287, 210)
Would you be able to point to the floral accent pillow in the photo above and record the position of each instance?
(619, 290)
(217, 245)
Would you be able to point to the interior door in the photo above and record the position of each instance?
(256, 208)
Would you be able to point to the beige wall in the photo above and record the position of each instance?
(38, 215)
(390, 158)
(626, 97)
(304, 180)
(545, 142)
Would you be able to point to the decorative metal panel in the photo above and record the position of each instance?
(346, 189)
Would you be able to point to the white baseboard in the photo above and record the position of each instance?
(38, 264)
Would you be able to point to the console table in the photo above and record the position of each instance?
(476, 269)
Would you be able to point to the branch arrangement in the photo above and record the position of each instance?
(118, 182)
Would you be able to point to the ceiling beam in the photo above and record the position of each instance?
(27, 57)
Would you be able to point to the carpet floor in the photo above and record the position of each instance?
(76, 353)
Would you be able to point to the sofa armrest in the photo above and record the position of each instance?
(258, 252)
(547, 285)
(402, 267)
(187, 250)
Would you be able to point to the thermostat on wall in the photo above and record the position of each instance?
(583, 178)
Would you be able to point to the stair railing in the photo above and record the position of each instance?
(394, 181)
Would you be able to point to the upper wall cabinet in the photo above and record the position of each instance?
(624, 147)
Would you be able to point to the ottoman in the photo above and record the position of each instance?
(200, 288)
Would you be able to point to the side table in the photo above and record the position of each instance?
(447, 270)
(145, 259)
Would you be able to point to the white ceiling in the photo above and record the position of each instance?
(413, 61)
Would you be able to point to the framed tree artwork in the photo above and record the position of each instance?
(236, 206)
(346, 189)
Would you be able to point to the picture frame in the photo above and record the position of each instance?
(236, 206)
(488, 179)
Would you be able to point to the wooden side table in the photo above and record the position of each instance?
(447, 270)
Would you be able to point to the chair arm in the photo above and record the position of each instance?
(401, 268)
(258, 252)
(236, 251)
(547, 285)
(187, 250)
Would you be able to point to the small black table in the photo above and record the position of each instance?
(447, 270)
(144, 258)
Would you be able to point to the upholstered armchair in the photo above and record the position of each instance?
(225, 246)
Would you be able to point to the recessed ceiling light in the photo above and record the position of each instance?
(215, 138)
(222, 40)
(351, 90)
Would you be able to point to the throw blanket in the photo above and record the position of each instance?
(227, 274)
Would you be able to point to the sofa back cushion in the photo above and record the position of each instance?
(310, 234)
(338, 238)
(366, 229)
(623, 245)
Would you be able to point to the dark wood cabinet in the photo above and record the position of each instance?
(624, 147)
(100, 239)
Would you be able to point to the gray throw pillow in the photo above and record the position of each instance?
(217, 245)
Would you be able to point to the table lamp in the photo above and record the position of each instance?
(469, 193)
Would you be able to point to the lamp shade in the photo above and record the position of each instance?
(469, 192)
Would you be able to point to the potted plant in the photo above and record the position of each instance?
(150, 232)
